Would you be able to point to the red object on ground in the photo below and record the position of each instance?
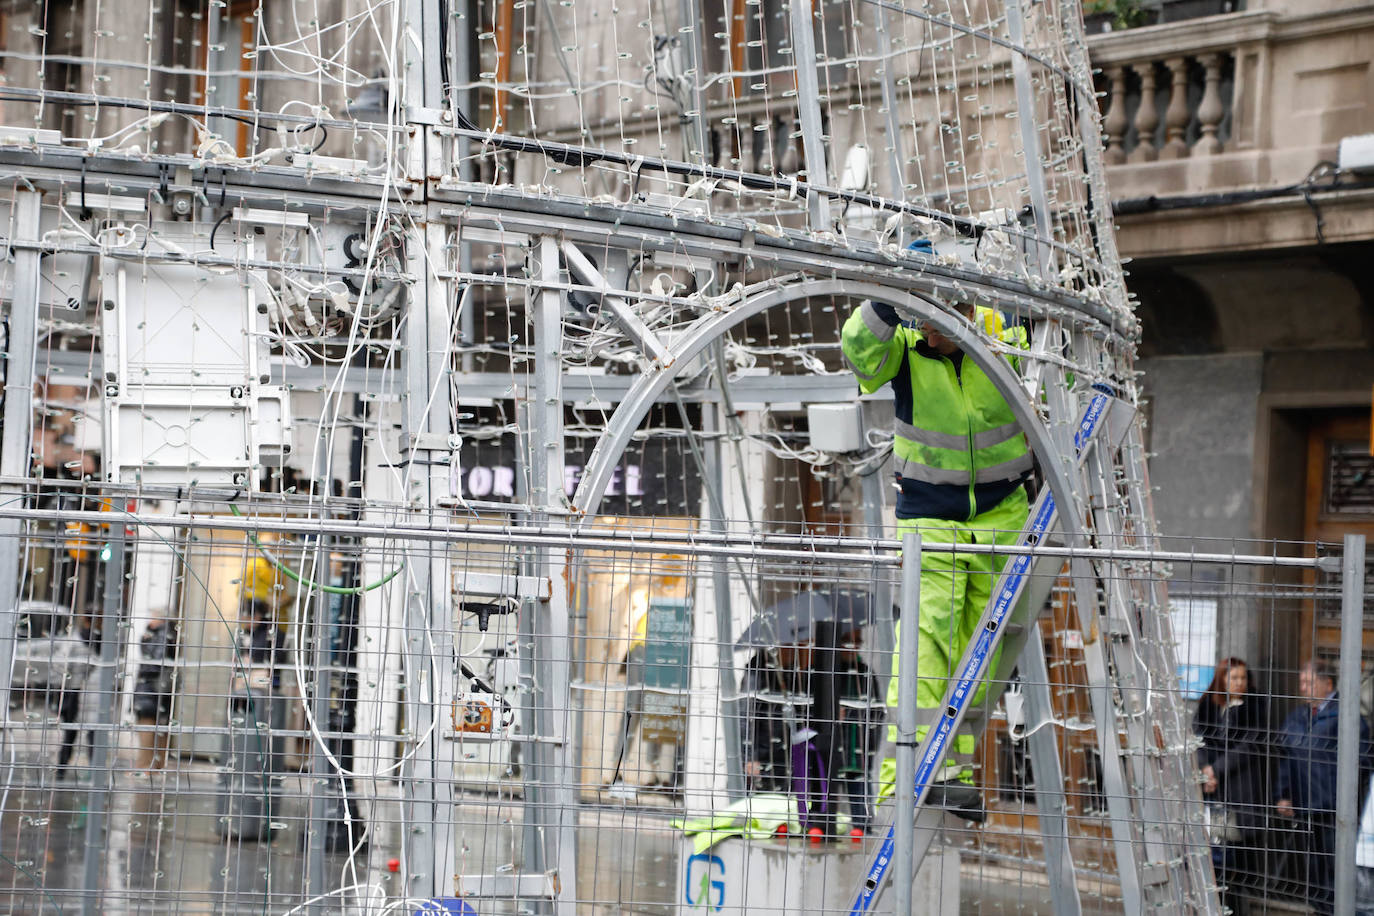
(814, 836)
(780, 832)
(393, 865)
(856, 836)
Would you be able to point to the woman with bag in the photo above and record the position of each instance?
(1233, 722)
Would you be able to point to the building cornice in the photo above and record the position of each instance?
(1279, 222)
(1224, 32)
(1191, 36)
(1330, 22)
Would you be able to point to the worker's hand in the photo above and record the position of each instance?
(1285, 807)
(753, 768)
(1209, 779)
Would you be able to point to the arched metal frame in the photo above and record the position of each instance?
(649, 387)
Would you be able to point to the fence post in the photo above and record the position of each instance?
(104, 737)
(16, 431)
(1348, 748)
(904, 811)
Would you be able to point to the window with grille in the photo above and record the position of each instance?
(1349, 487)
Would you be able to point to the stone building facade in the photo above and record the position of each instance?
(1249, 253)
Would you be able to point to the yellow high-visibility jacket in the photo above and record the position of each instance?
(959, 450)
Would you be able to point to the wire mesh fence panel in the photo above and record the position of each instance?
(243, 743)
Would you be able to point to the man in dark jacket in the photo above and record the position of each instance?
(1306, 790)
(854, 741)
(811, 726)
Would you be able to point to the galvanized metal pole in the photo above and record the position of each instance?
(809, 112)
(905, 801)
(557, 800)
(423, 77)
(1031, 153)
(1348, 749)
(531, 852)
(695, 115)
(725, 622)
(102, 774)
(883, 640)
(427, 778)
(18, 428)
(321, 794)
(427, 775)
(894, 129)
(462, 98)
(1081, 87)
(1050, 799)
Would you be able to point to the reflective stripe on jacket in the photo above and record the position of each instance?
(958, 449)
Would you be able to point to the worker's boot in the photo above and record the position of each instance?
(958, 797)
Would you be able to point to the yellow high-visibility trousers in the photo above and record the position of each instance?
(955, 588)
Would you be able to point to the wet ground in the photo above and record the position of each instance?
(166, 850)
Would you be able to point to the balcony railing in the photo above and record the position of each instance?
(1253, 102)
(1180, 90)
(1169, 108)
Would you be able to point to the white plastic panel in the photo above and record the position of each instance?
(180, 324)
(184, 348)
(193, 439)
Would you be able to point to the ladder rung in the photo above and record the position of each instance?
(1152, 873)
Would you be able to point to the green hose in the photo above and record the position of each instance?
(328, 589)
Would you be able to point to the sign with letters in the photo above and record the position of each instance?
(656, 476)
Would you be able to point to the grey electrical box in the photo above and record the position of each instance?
(1356, 154)
(836, 427)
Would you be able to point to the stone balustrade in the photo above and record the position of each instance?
(1243, 102)
(1168, 108)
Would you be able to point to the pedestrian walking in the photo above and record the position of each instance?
(1306, 790)
(1232, 721)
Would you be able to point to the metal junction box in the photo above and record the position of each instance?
(185, 370)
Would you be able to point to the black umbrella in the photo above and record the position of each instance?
(792, 620)
(853, 609)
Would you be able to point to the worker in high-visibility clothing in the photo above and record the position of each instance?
(261, 610)
(961, 460)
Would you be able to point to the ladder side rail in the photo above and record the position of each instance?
(973, 664)
(1050, 798)
(1159, 641)
(1159, 758)
(1024, 651)
(1121, 813)
(1133, 678)
(1128, 510)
